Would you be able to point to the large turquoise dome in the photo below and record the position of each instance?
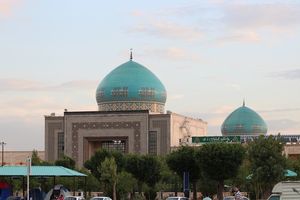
(244, 121)
(131, 86)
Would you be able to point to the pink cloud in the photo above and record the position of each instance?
(173, 53)
(241, 36)
(7, 7)
(168, 29)
(32, 85)
(255, 16)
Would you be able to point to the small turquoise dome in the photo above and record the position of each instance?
(131, 86)
(244, 121)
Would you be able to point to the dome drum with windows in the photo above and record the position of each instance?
(244, 121)
(131, 86)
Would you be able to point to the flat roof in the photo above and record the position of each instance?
(39, 171)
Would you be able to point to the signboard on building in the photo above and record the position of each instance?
(211, 139)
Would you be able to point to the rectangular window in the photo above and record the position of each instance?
(114, 145)
(152, 148)
(60, 145)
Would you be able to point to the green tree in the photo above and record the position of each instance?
(126, 185)
(170, 181)
(146, 169)
(220, 161)
(184, 160)
(267, 164)
(66, 162)
(35, 159)
(90, 184)
(109, 175)
(134, 166)
(95, 161)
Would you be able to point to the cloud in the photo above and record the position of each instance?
(173, 53)
(280, 110)
(247, 16)
(283, 126)
(223, 21)
(175, 96)
(250, 36)
(168, 29)
(7, 7)
(137, 13)
(31, 85)
(288, 74)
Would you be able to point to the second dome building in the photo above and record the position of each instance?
(244, 121)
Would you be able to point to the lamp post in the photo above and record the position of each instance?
(28, 163)
(2, 144)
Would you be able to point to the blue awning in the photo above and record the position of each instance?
(287, 173)
(39, 171)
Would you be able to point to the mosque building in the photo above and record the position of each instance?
(131, 118)
(244, 122)
(247, 125)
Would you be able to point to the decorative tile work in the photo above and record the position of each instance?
(146, 92)
(119, 92)
(122, 106)
(135, 125)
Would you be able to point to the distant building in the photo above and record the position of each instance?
(131, 118)
(18, 157)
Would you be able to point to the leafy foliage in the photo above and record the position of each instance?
(220, 161)
(267, 164)
(126, 184)
(66, 162)
(146, 169)
(184, 160)
(100, 155)
(108, 169)
(37, 161)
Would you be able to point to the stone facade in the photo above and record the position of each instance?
(82, 133)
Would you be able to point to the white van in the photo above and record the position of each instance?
(286, 190)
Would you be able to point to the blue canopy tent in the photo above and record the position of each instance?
(39, 171)
(287, 173)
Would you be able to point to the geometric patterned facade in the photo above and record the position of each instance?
(79, 134)
(125, 106)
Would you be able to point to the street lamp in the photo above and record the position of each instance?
(2, 144)
(28, 163)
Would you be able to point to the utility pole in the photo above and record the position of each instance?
(2, 144)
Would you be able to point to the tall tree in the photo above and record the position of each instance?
(220, 161)
(184, 160)
(35, 159)
(267, 164)
(134, 166)
(95, 161)
(146, 169)
(109, 175)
